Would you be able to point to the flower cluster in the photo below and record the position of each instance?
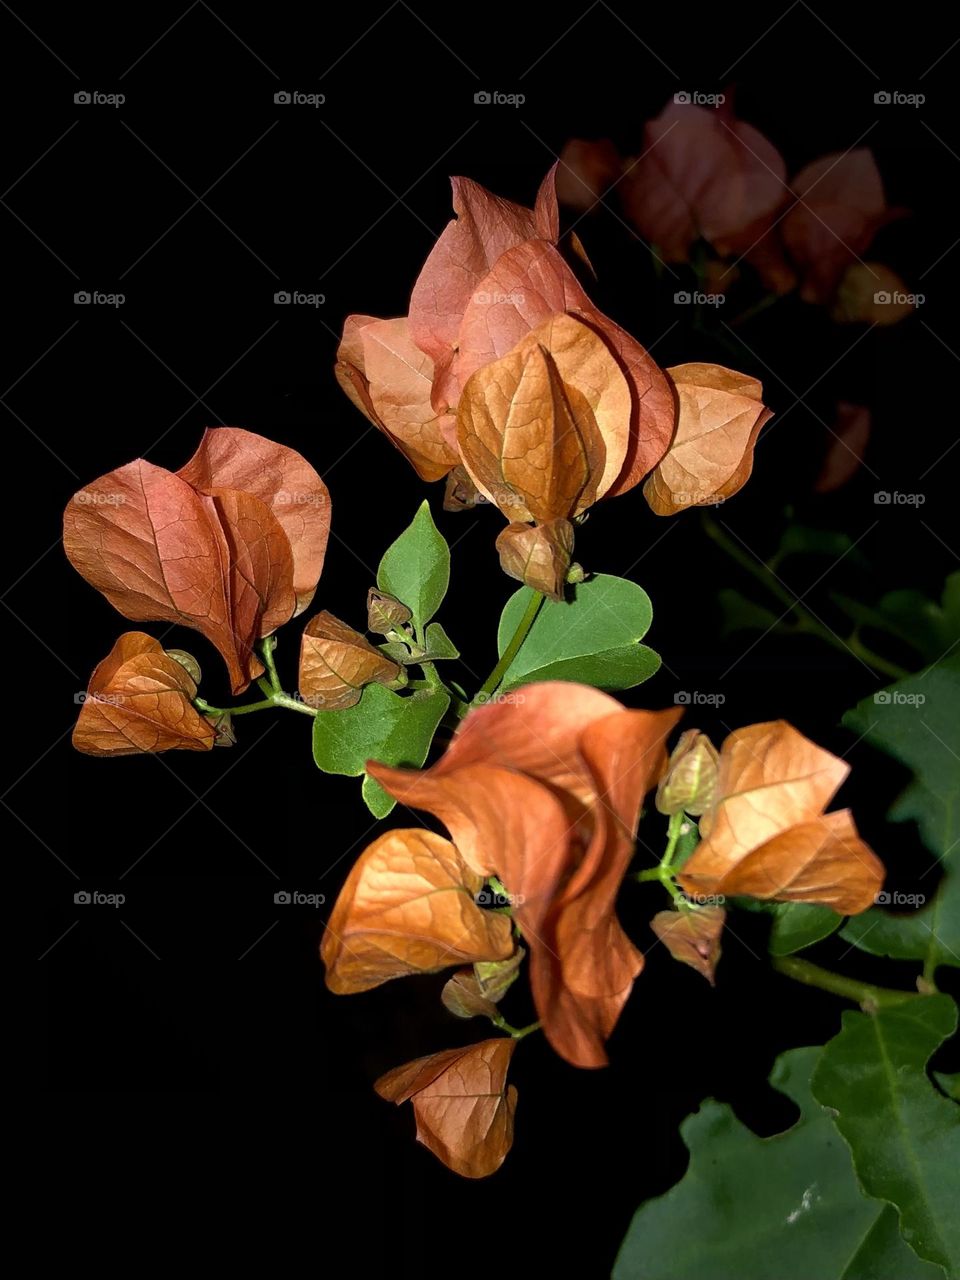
(508, 381)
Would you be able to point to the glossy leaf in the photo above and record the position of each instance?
(797, 925)
(592, 638)
(903, 1134)
(416, 567)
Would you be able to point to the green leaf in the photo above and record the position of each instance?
(917, 721)
(439, 644)
(903, 1134)
(928, 627)
(931, 934)
(741, 614)
(383, 726)
(750, 1208)
(884, 1255)
(949, 1083)
(416, 568)
(800, 924)
(593, 638)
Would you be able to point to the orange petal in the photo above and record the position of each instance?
(463, 1107)
(408, 907)
(336, 662)
(692, 937)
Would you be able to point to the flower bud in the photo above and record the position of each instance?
(689, 784)
(385, 612)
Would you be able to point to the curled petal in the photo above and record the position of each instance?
(408, 906)
(140, 699)
(721, 414)
(336, 662)
(692, 937)
(462, 1104)
(538, 555)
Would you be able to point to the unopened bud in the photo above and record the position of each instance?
(385, 612)
(690, 782)
(187, 661)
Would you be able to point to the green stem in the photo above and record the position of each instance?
(863, 993)
(267, 646)
(663, 871)
(492, 682)
(517, 1032)
(806, 620)
(202, 705)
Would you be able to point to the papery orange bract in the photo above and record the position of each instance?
(390, 380)
(703, 173)
(140, 700)
(462, 1104)
(527, 286)
(538, 555)
(840, 207)
(767, 835)
(543, 430)
(230, 458)
(486, 226)
(160, 551)
(692, 937)
(546, 792)
(336, 662)
(408, 907)
(721, 414)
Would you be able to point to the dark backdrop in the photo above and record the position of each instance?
(198, 199)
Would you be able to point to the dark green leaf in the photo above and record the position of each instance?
(883, 1254)
(917, 720)
(949, 1084)
(383, 726)
(800, 924)
(903, 1134)
(749, 1208)
(592, 638)
(741, 614)
(931, 934)
(416, 568)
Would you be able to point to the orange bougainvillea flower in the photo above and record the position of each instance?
(462, 1103)
(721, 414)
(692, 937)
(871, 293)
(493, 276)
(336, 662)
(703, 174)
(586, 170)
(140, 699)
(231, 546)
(840, 207)
(544, 791)
(408, 906)
(767, 835)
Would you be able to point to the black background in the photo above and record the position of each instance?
(198, 199)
